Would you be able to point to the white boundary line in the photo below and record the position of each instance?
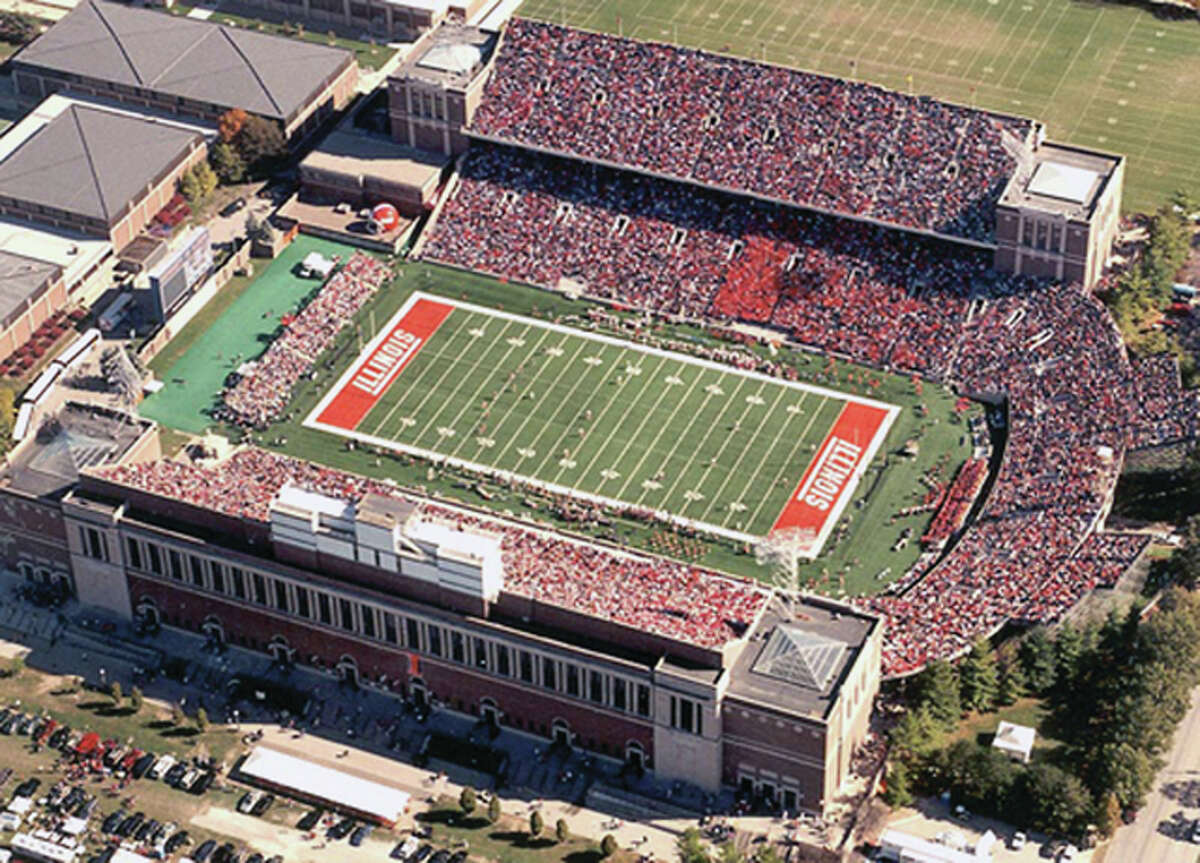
(508, 476)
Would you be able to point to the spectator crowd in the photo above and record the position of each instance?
(649, 593)
(261, 394)
(791, 136)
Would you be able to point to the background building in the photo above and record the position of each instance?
(69, 166)
(180, 65)
(31, 291)
(389, 20)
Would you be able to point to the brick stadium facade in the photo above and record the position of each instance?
(710, 715)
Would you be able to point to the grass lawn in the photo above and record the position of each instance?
(1026, 711)
(508, 840)
(370, 56)
(149, 729)
(1107, 75)
(859, 550)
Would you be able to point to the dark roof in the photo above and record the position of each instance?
(21, 280)
(184, 57)
(80, 162)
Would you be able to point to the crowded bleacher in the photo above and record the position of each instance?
(654, 594)
(796, 137)
(261, 394)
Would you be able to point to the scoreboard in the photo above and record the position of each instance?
(182, 269)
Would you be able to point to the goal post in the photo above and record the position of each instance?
(782, 550)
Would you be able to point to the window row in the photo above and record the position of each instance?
(415, 634)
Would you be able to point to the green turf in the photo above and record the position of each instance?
(1105, 75)
(855, 554)
(194, 381)
(714, 446)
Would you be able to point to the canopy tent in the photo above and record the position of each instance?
(1014, 740)
(311, 780)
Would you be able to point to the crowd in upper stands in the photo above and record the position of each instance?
(653, 594)
(792, 136)
(1169, 413)
(883, 297)
(261, 395)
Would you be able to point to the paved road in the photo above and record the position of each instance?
(1160, 833)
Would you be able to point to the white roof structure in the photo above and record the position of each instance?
(33, 848)
(1065, 182)
(449, 57)
(319, 782)
(311, 501)
(895, 845)
(124, 855)
(315, 262)
(1016, 740)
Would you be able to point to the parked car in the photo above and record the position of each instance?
(360, 835)
(202, 784)
(176, 842)
(255, 858)
(161, 766)
(310, 820)
(406, 849)
(1018, 841)
(421, 854)
(248, 801)
(1070, 852)
(262, 804)
(28, 787)
(341, 829)
(233, 207)
(142, 765)
(172, 776)
(204, 851)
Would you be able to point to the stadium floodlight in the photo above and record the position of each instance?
(782, 550)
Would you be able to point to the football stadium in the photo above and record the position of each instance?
(704, 393)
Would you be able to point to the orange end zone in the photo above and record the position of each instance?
(832, 475)
(380, 365)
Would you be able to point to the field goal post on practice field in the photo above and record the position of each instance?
(782, 550)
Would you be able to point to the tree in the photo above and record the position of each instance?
(1069, 645)
(1038, 660)
(690, 848)
(466, 800)
(1108, 815)
(260, 144)
(536, 823)
(230, 123)
(227, 163)
(202, 720)
(898, 788)
(135, 699)
(206, 179)
(1057, 802)
(561, 832)
(727, 852)
(767, 854)
(189, 187)
(608, 845)
(1012, 679)
(979, 678)
(115, 691)
(915, 735)
(15, 666)
(937, 689)
(493, 810)
(7, 415)
(176, 714)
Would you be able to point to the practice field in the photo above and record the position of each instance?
(735, 453)
(1099, 74)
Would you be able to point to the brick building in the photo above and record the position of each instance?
(1060, 213)
(434, 94)
(388, 20)
(70, 169)
(393, 594)
(179, 65)
(31, 291)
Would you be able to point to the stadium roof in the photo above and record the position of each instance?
(1056, 180)
(186, 58)
(804, 658)
(79, 162)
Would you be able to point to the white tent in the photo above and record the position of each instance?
(1014, 740)
(318, 782)
(316, 265)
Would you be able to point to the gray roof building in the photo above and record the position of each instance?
(80, 162)
(186, 58)
(22, 280)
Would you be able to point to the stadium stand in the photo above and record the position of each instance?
(794, 137)
(675, 600)
(260, 396)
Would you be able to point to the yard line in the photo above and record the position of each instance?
(484, 382)
(1092, 98)
(432, 421)
(662, 429)
(749, 446)
(690, 460)
(496, 433)
(699, 412)
(1049, 31)
(596, 424)
(1075, 56)
(553, 449)
(716, 459)
(432, 359)
(779, 474)
(516, 436)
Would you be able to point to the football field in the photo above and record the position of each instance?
(732, 452)
(1107, 75)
